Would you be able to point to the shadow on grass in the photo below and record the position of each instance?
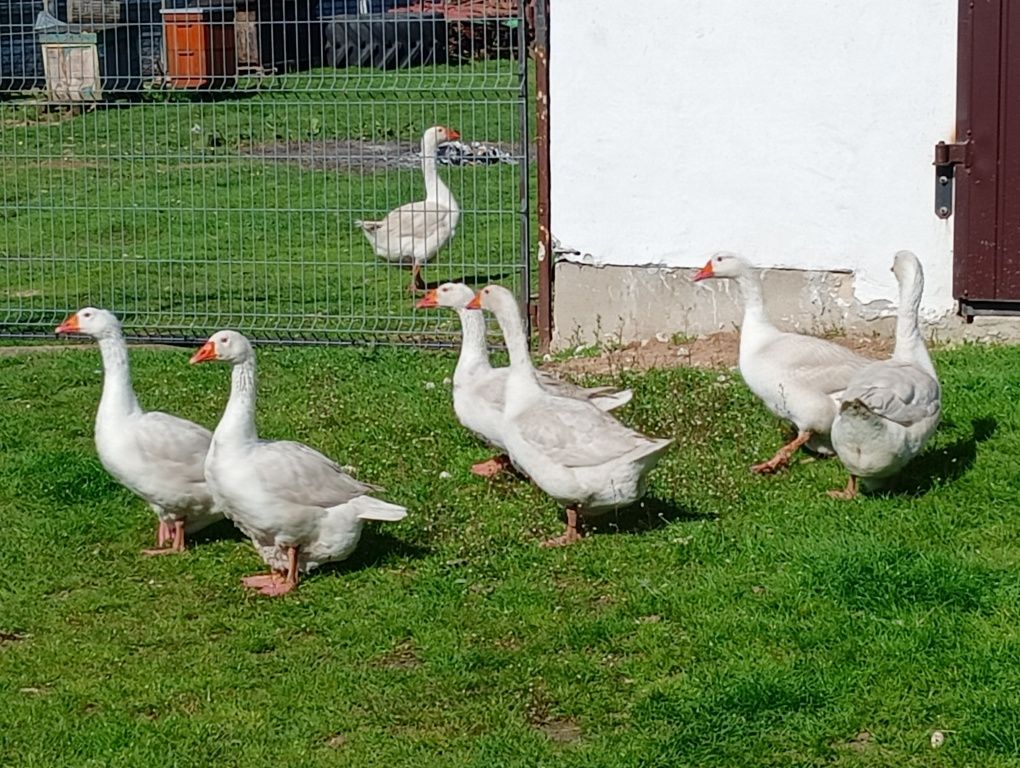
(943, 465)
(222, 530)
(648, 514)
(376, 548)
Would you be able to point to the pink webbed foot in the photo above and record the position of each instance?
(492, 467)
(277, 589)
(263, 580)
(848, 493)
(569, 537)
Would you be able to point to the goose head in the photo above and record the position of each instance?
(452, 295)
(97, 323)
(226, 346)
(437, 134)
(723, 264)
(494, 298)
(906, 266)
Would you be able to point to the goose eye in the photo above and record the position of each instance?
(87, 314)
(718, 258)
(224, 340)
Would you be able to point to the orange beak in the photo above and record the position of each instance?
(476, 302)
(452, 135)
(705, 272)
(207, 352)
(428, 301)
(70, 325)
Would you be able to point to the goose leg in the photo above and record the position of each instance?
(178, 545)
(782, 457)
(285, 585)
(850, 492)
(492, 467)
(163, 538)
(417, 284)
(569, 536)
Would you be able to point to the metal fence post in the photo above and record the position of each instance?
(545, 246)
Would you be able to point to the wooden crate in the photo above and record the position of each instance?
(95, 12)
(91, 66)
(71, 62)
(277, 35)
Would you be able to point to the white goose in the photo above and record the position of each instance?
(414, 232)
(890, 408)
(299, 508)
(478, 388)
(154, 455)
(582, 457)
(799, 378)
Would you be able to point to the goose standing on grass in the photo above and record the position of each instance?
(799, 378)
(154, 455)
(412, 234)
(581, 456)
(890, 408)
(478, 388)
(299, 508)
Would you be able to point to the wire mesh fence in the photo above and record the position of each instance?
(195, 165)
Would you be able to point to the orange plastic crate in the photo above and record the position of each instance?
(200, 49)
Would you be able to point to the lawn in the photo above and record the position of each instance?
(731, 621)
(185, 215)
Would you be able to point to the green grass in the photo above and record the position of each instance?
(160, 211)
(733, 621)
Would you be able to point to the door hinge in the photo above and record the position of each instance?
(947, 157)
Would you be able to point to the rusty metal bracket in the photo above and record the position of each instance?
(947, 157)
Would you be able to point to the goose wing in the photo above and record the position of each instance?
(573, 433)
(301, 475)
(899, 392)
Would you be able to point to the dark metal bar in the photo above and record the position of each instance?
(524, 21)
(540, 51)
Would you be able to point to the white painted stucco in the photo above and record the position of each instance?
(798, 133)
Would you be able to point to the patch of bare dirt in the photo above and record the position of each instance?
(339, 154)
(336, 741)
(68, 164)
(403, 656)
(716, 351)
(563, 730)
(345, 154)
(7, 637)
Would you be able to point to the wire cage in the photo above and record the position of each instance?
(203, 164)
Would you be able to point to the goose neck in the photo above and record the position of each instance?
(435, 189)
(521, 368)
(910, 346)
(752, 295)
(473, 350)
(118, 394)
(238, 422)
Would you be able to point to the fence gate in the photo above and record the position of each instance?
(195, 165)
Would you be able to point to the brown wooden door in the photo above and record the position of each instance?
(986, 261)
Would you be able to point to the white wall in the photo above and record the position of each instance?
(796, 132)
